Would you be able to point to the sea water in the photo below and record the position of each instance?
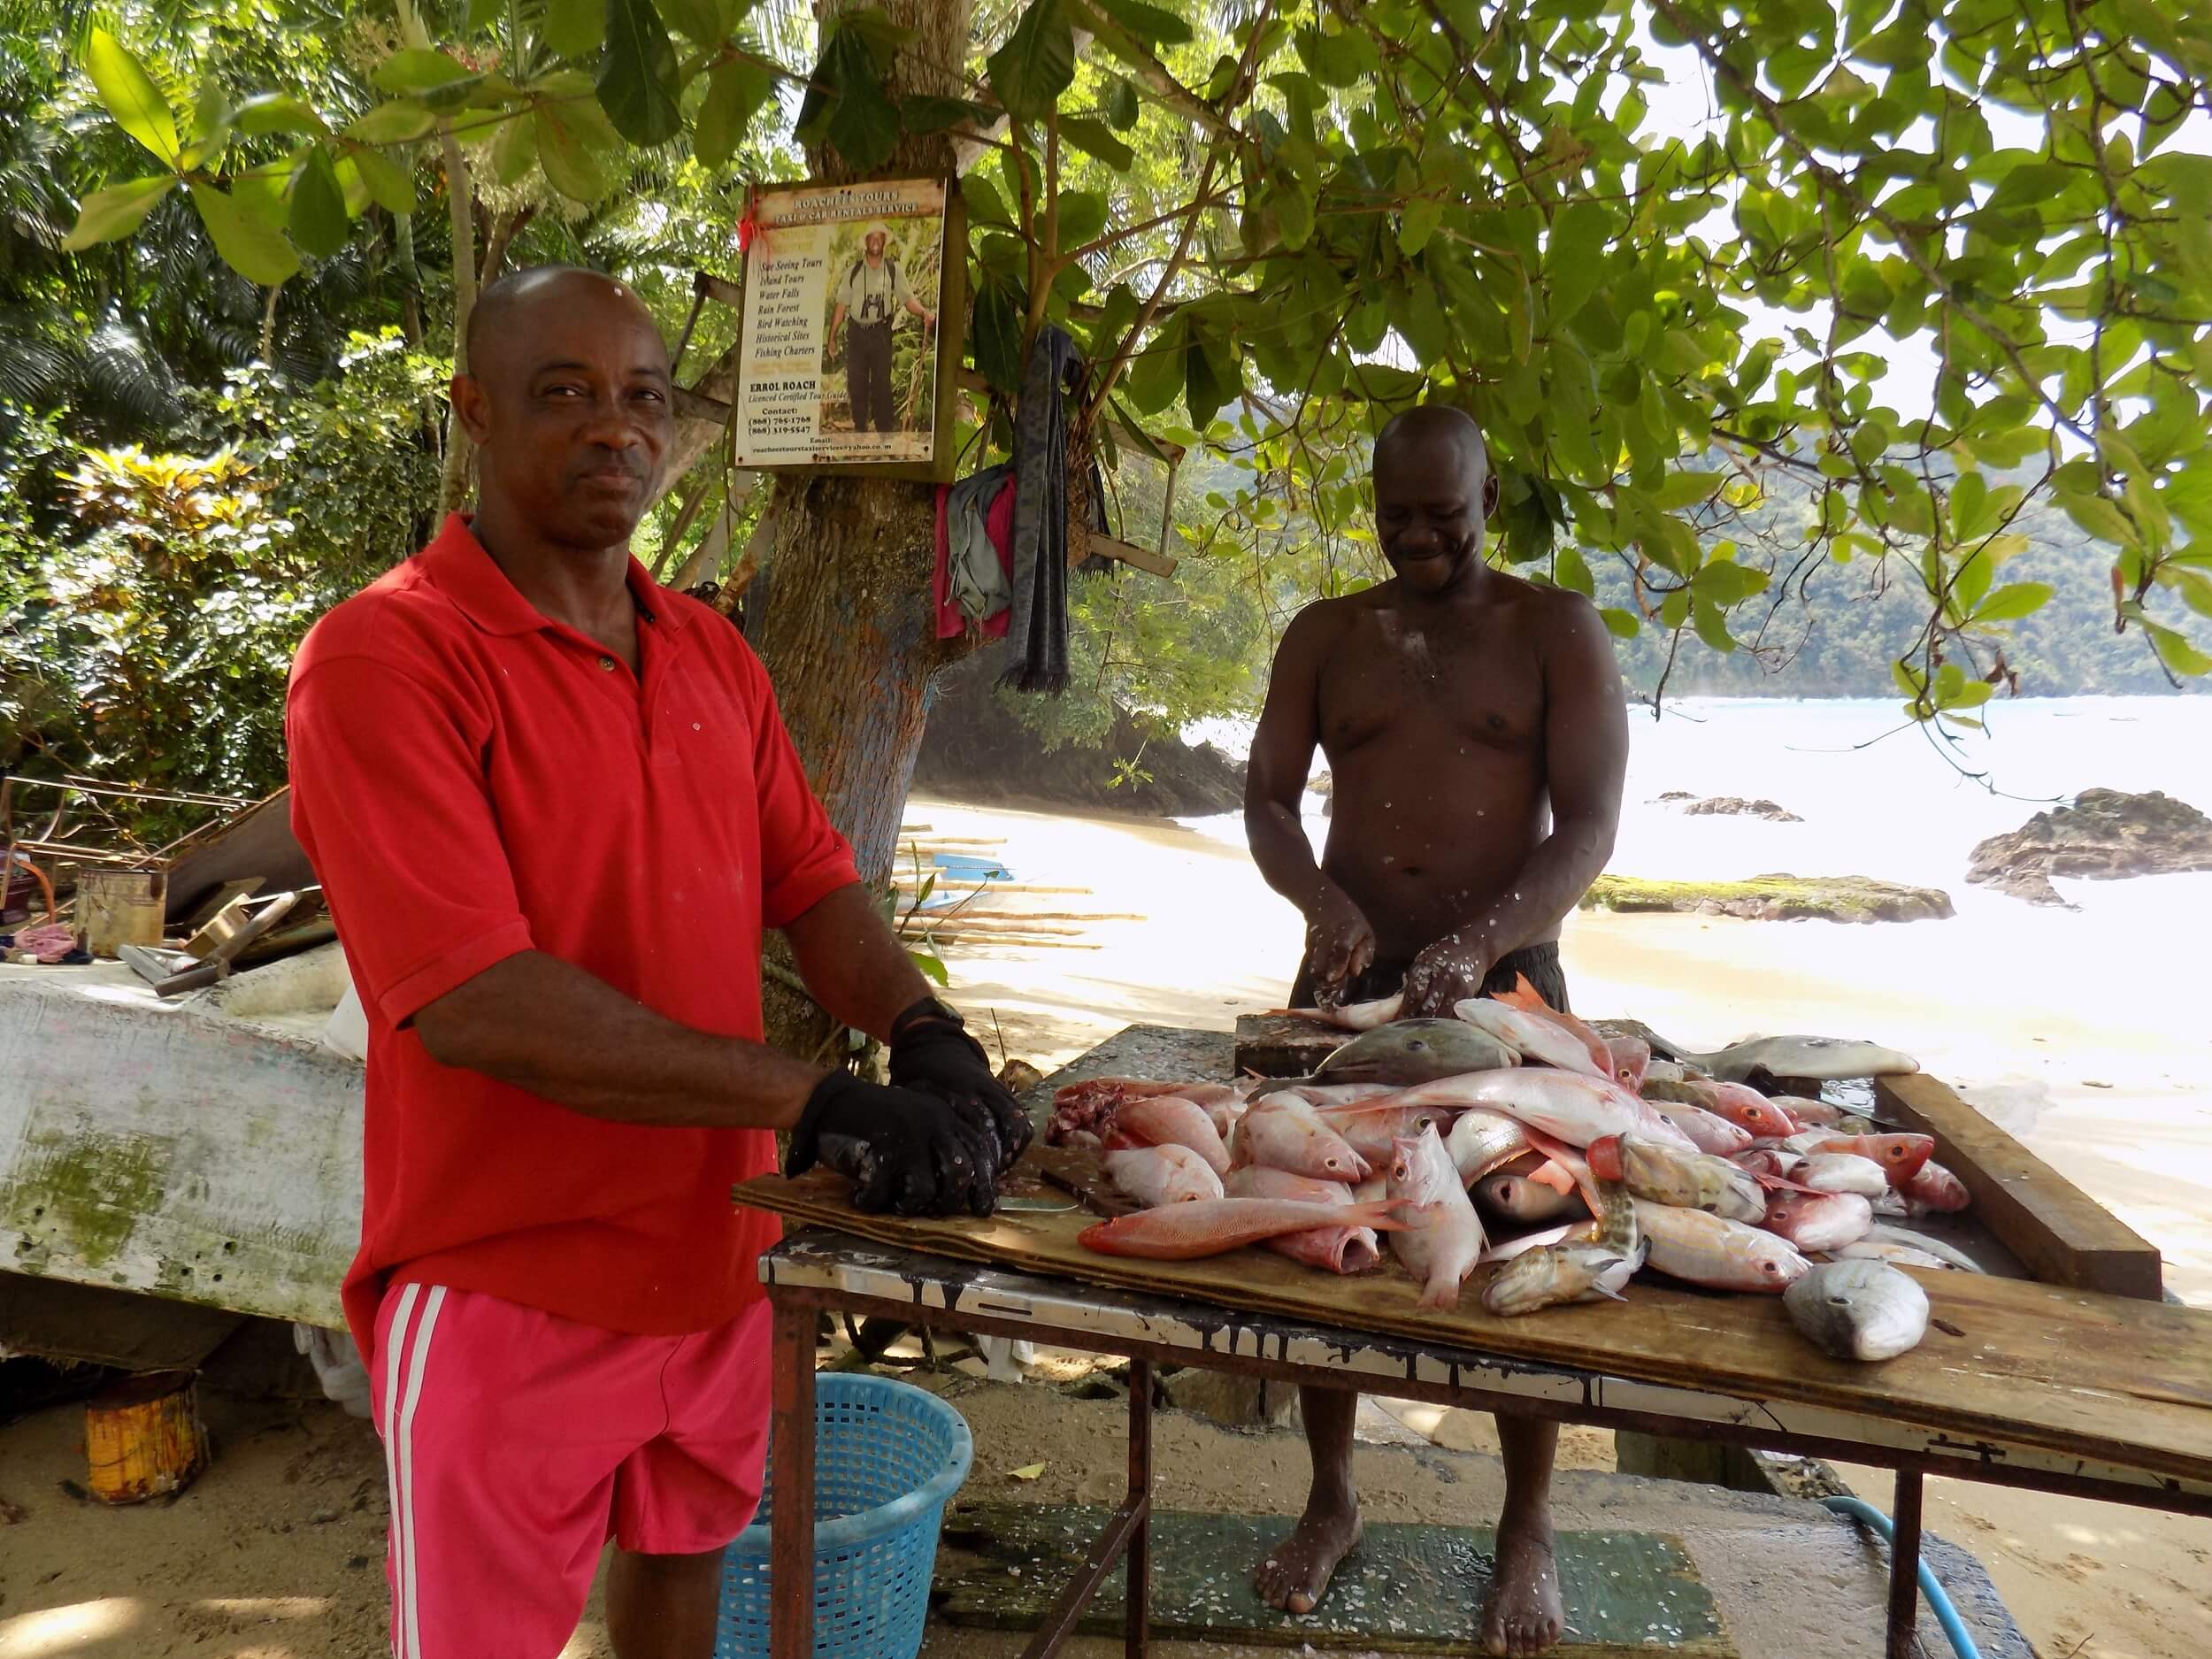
(1908, 805)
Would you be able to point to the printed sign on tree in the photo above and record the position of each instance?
(845, 293)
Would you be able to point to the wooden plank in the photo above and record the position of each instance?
(1282, 1045)
(1144, 558)
(2053, 1367)
(2064, 1236)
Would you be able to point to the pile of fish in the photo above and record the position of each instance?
(1517, 1135)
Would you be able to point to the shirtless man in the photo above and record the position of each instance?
(1475, 736)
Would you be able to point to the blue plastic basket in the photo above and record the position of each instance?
(887, 1458)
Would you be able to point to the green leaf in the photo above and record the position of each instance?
(1971, 581)
(2098, 517)
(698, 21)
(930, 966)
(1082, 218)
(736, 92)
(1674, 610)
(515, 150)
(1037, 64)
(1121, 105)
(115, 213)
(130, 95)
(1574, 261)
(570, 167)
(277, 112)
(1095, 138)
(1688, 489)
(1148, 23)
(995, 336)
(2195, 589)
(417, 69)
(1622, 625)
(390, 186)
(2014, 600)
(864, 124)
(1294, 212)
(1418, 223)
(923, 113)
(1570, 570)
(637, 77)
(2175, 650)
(1712, 626)
(400, 122)
(575, 28)
(986, 205)
(318, 217)
(250, 244)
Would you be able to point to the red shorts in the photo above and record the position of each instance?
(518, 1442)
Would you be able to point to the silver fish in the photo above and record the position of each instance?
(1822, 1059)
(1858, 1309)
(1883, 1233)
(1441, 1240)
(1482, 1140)
(1404, 1053)
(1551, 1274)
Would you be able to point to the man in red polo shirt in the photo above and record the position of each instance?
(552, 806)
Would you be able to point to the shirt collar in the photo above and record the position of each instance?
(467, 575)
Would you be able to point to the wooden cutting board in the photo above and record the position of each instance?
(2062, 1370)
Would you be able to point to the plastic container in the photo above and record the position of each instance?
(887, 1458)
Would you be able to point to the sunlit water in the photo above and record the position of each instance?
(1895, 807)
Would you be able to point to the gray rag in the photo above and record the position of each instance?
(1038, 629)
(973, 573)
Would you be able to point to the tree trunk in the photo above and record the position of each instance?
(841, 615)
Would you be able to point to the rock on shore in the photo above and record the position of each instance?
(2105, 835)
(1774, 898)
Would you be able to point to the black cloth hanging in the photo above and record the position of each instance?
(1038, 630)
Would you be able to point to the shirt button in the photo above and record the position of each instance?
(607, 663)
(695, 725)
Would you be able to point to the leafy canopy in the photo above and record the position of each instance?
(1270, 231)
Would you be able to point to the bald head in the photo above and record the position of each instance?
(568, 401)
(1426, 424)
(1433, 492)
(522, 302)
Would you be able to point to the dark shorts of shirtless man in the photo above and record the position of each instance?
(1538, 964)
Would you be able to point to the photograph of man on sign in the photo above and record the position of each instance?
(871, 293)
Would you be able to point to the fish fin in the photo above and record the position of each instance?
(1553, 1174)
(1564, 1155)
(1439, 1294)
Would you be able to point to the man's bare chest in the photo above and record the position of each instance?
(1397, 681)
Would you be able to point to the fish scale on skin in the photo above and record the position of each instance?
(1821, 1059)
(1168, 1174)
(1442, 1239)
(1814, 1222)
(1288, 1134)
(1704, 1249)
(1688, 1181)
(1402, 1053)
(1844, 1172)
(1168, 1118)
(1858, 1309)
(1351, 1016)
(1213, 1226)
(1571, 1105)
(1482, 1140)
(1532, 1036)
(1525, 997)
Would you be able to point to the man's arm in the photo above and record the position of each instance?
(837, 321)
(567, 1035)
(1585, 759)
(852, 962)
(545, 1025)
(1340, 944)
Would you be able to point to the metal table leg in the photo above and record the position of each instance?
(791, 1520)
(1904, 1567)
(1139, 1556)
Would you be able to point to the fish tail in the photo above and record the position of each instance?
(1379, 1213)
(1440, 1293)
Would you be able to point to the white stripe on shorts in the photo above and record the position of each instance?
(408, 1638)
(395, 1340)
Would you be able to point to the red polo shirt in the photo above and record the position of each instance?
(472, 780)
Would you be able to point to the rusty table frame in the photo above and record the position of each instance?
(818, 1272)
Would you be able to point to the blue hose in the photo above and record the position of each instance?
(1947, 1616)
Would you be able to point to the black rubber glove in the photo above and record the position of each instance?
(937, 1056)
(905, 1151)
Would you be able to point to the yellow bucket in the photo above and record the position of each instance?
(144, 1438)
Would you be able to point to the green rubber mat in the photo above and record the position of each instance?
(1406, 1589)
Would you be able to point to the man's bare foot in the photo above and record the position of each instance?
(1524, 1613)
(1295, 1573)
